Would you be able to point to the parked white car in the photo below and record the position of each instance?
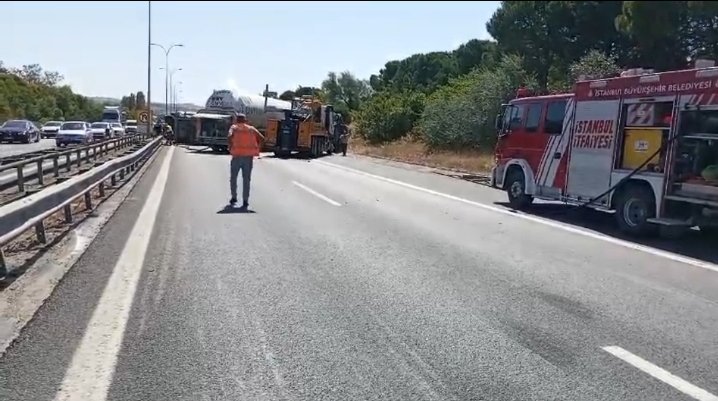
(74, 132)
(102, 130)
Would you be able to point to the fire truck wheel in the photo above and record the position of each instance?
(634, 206)
(516, 189)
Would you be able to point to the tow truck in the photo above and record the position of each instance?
(643, 145)
(308, 127)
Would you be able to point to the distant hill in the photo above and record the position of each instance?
(158, 108)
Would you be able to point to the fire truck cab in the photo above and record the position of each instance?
(644, 145)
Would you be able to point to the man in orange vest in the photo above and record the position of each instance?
(243, 146)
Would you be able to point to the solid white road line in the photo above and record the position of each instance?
(317, 194)
(661, 374)
(626, 244)
(93, 363)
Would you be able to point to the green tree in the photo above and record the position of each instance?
(345, 91)
(287, 95)
(29, 92)
(422, 72)
(461, 115)
(475, 53)
(659, 30)
(141, 101)
(389, 115)
(594, 65)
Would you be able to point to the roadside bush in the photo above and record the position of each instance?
(37, 102)
(388, 116)
(461, 115)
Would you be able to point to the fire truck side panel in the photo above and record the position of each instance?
(592, 149)
(644, 125)
(551, 172)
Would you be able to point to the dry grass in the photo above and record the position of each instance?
(415, 152)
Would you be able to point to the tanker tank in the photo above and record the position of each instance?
(212, 122)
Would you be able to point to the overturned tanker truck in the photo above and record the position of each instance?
(212, 123)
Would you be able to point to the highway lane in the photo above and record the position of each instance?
(341, 285)
(12, 149)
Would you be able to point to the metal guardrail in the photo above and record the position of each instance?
(30, 212)
(42, 161)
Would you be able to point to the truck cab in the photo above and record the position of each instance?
(526, 126)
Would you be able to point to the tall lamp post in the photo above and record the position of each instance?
(172, 73)
(174, 95)
(149, 66)
(167, 63)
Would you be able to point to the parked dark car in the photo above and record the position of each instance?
(23, 131)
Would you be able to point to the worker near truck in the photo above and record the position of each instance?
(344, 134)
(243, 140)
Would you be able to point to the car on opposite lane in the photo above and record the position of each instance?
(131, 127)
(23, 131)
(50, 128)
(74, 132)
(101, 130)
(117, 130)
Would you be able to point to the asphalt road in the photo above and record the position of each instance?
(12, 149)
(355, 280)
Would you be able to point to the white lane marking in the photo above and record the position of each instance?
(317, 194)
(661, 374)
(626, 244)
(93, 363)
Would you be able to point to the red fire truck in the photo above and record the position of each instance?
(644, 145)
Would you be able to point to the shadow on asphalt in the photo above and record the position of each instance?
(692, 244)
(235, 210)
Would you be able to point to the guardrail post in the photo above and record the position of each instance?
(122, 174)
(68, 163)
(40, 173)
(3, 265)
(88, 200)
(68, 214)
(113, 180)
(20, 178)
(79, 157)
(101, 189)
(56, 166)
(40, 232)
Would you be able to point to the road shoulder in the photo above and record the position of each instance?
(20, 301)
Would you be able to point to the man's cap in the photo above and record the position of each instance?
(240, 115)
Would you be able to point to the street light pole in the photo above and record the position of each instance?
(174, 95)
(149, 66)
(170, 89)
(167, 64)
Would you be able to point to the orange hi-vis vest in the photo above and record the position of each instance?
(243, 141)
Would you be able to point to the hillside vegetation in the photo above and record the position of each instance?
(34, 94)
(447, 100)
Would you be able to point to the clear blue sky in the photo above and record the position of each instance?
(101, 47)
